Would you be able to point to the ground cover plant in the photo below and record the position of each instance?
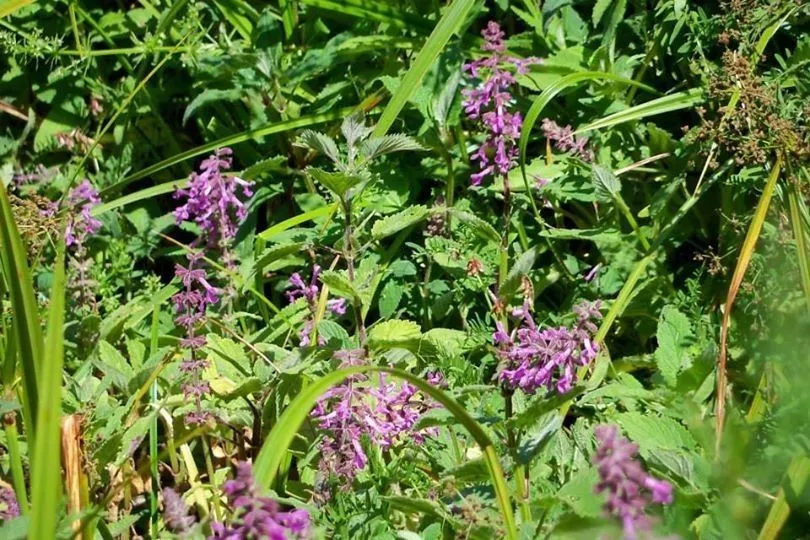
(404, 269)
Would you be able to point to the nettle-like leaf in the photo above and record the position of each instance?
(394, 334)
(337, 182)
(401, 220)
(354, 130)
(320, 143)
(522, 266)
(339, 284)
(674, 337)
(379, 146)
(606, 183)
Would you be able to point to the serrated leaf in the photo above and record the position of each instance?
(520, 268)
(378, 146)
(394, 333)
(211, 95)
(394, 223)
(273, 253)
(478, 225)
(390, 296)
(320, 143)
(579, 494)
(674, 336)
(341, 286)
(334, 334)
(606, 183)
(337, 182)
(652, 432)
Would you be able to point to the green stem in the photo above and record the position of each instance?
(153, 428)
(512, 440)
(628, 215)
(209, 467)
(348, 253)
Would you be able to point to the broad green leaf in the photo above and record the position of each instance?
(337, 182)
(339, 284)
(521, 267)
(606, 183)
(479, 226)
(652, 432)
(401, 220)
(394, 333)
(46, 480)
(674, 336)
(390, 296)
(579, 494)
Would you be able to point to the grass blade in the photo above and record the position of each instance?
(269, 129)
(24, 307)
(10, 6)
(281, 436)
(800, 237)
(370, 10)
(446, 27)
(674, 102)
(279, 228)
(797, 474)
(140, 195)
(746, 252)
(45, 476)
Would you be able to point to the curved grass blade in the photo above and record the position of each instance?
(446, 27)
(10, 6)
(279, 228)
(24, 307)
(796, 478)
(746, 252)
(674, 102)
(45, 475)
(147, 193)
(281, 436)
(800, 237)
(378, 11)
(269, 129)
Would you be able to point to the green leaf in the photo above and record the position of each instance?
(479, 226)
(279, 228)
(673, 102)
(401, 220)
(340, 285)
(653, 432)
(379, 146)
(394, 333)
(273, 253)
(46, 479)
(276, 445)
(606, 183)
(522, 266)
(24, 307)
(579, 494)
(674, 336)
(10, 6)
(320, 143)
(453, 17)
(337, 182)
(390, 296)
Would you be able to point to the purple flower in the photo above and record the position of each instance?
(9, 507)
(175, 512)
(385, 414)
(490, 102)
(310, 291)
(630, 489)
(212, 201)
(255, 516)
(81, 224)
(191, 304)
(534, 358)
(565, 141)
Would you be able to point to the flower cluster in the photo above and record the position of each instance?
(191, 304)
(81, 225)
(533, 357)
(385, 414)
(175, 512)
(565, 141)
(490, 104)
(212, 201)
(310, 292)
(9, 507)
(255, 516)
(630, 489)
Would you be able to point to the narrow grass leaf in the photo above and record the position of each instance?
(674, 102)
(797, 473)
(10, 6)
(800, 237)
(24, 307)
(279, 228)
(447, 26)
(45, 477)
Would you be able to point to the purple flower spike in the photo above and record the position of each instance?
(175, 512)
(9, 507)
(490, 102)
(630, 489)
(256, 516)
(191, 305)
(81, 225)
(311, 291)
(534, 358)
(565, 141)
(212, 200)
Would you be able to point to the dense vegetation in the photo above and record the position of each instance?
(404, 269)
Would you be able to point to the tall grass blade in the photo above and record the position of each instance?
(46, 481)
(10, 6)
(446, 27)
(746, 252)
(795, 481)
(800, 237)
(24, 308)
(278, 441)
(279, 228)
(371, 10)
(674, 102)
